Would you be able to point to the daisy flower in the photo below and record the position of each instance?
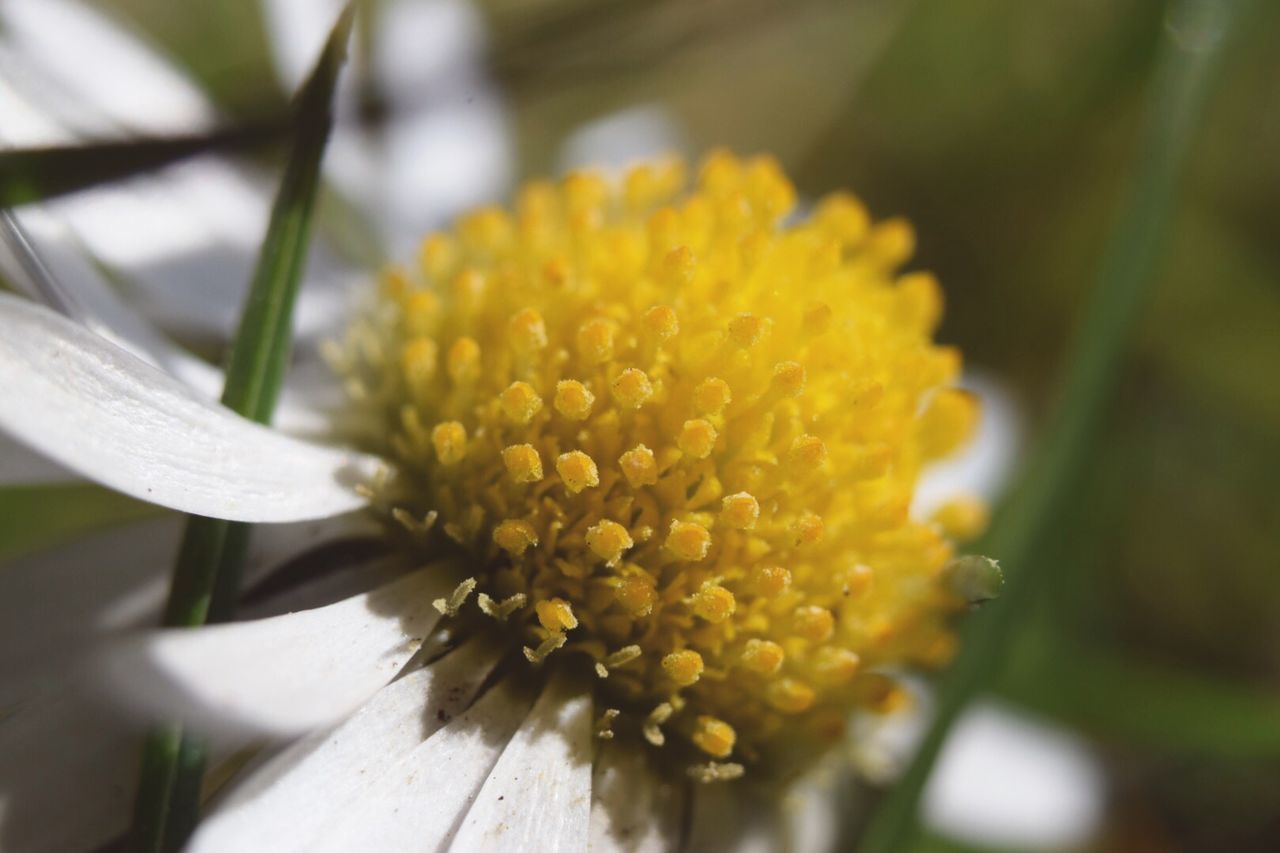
(640, 455)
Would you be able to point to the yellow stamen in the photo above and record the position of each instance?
(556, 615)
(573, 400)
(714, 737)
(683, 667)
(683, 424)
(577, 470)
(523, 463)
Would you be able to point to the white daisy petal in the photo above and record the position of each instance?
(142, 90)
(1005, 779)
(446, 145)
(418, 805)
(725, 818)
(633, 811)
(441, 160)
(93, 302)
(55, 601)
(619, 139)
(183, 238)
(538, 796)
(297, 30)
(67, 770)
(330, 779)
(81, 283)
(107, 415)
(281, 676)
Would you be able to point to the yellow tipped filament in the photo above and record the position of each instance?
(662, 322)
(450, 442)
(520, 402)
(740, 511)
(608, 540)
(556, 615)
(577, 470)
(639, 466)
(528, 332)
(697, 438)
(683, 667)
(515, 536)
(464, 360)
(711, 396)
(595, 340)
(762, 656)
(714, 737)
(714, 603)
(523, 463)
(790, 696)
(632, 389)
(681, 423)
(573, 400)
(767, 581)
(688, 540)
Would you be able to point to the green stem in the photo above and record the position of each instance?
(207, 571)
(1196, 32)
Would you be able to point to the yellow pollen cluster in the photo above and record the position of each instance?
(680, 439)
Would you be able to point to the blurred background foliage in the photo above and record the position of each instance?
(1005, 130)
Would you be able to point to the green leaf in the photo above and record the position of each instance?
(1193, 43)
(206, 574)
(34, 174)
(1142, 703)
(35, 516)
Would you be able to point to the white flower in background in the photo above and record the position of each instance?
(393, 754)
(444, 144)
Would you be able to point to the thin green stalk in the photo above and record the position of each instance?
(1196, 32)
(207, 571)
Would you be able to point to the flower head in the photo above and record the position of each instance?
(686, 431)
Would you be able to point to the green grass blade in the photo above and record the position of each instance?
(1169, 710)
(1194, 39)
(35, 174)
(206, 573)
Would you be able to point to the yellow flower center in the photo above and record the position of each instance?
(679, 438)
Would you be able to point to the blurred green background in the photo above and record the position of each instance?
(1006, 131)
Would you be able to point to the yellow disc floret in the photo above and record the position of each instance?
(679, 438)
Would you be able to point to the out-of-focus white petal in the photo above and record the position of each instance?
(281, 676)
(87, 53)
(445, 145)
(107, 415)
(813, 806)
(185, 237)
(883, 744)
(982, 467)
(442, 160)
(538, 796)
(416, 41)
(618, 139)
(57, 602)
(298, 29)
(324, 784)
(67, 770)
(59, 599)
(727, 817)
(1008, 780)
(632, 810)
